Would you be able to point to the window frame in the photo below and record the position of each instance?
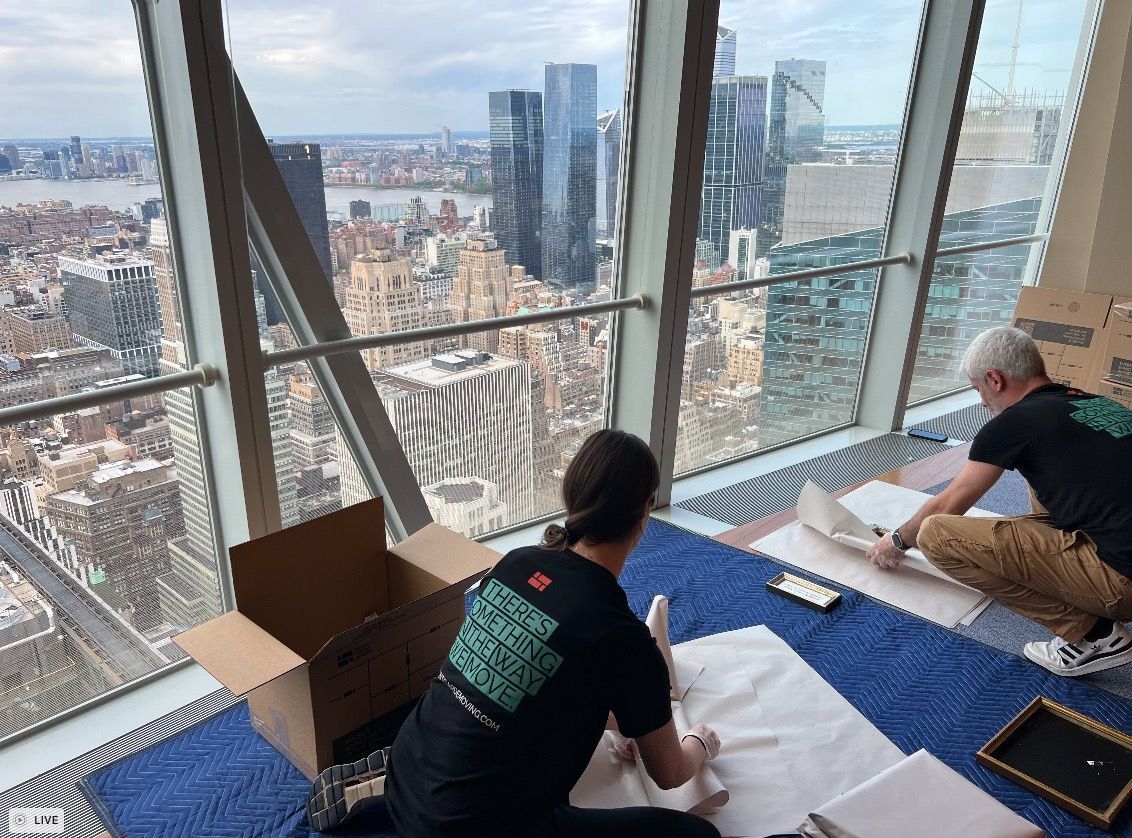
(206, 140)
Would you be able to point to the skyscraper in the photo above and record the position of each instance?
(446, 144)
(608, 165)
(733, 161)
(516, 131)
(464, 415)
(816, 328)
(724, 52)
(360, 209)
(190, 592)
(795, 134)
(76, 149)
(569, 175)
(112, 303)
(383, 297)
(300, 164)
(120, 519)
(480, 290)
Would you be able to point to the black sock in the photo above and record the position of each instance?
(1101, 628)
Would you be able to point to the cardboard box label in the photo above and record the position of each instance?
(1120, 370)
(1062, 333)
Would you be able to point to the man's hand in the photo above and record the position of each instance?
(884, 554)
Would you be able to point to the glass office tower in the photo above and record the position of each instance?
(569, 190)
(608, 164)
(816, 328)
(795, 134)
(733, 162)
(515, 130)
(724, 51)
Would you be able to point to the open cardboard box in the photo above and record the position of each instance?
(324, 684)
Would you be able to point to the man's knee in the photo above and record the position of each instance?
(932, 539)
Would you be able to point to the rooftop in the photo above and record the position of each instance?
(457, 491)
(442, 370)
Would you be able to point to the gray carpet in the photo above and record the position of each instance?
(1004, 629)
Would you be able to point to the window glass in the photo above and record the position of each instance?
(105, 529)
(804, 122)
(473, 179)
(1006, 169)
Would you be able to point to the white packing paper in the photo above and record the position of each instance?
(681, 674)
(703, 793)
(918, 790)
(788, 739)
(933, 597)
(819, 511)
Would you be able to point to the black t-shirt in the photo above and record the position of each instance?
(503, 733)
(1075, 451)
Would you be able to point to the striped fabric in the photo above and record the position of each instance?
(962, 424)
(775, 491)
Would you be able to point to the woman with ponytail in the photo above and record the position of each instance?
(549, 656)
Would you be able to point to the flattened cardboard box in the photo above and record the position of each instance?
(324, 683)
(1068, 327)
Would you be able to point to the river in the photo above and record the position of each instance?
(120, 195)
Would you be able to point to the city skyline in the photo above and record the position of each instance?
(295, 84)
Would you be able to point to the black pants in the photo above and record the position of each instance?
(632, 822)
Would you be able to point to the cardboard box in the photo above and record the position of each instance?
(1115, 365)
(1121, 393)
(324, 684)
(1068, 327)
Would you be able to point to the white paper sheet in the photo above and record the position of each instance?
(823, 513)
(935, 598)
(788, 739)
(681, 674)
(938, 801)
(703, 793)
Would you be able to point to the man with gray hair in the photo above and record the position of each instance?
(1068, 564)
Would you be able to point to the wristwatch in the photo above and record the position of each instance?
(898, 542)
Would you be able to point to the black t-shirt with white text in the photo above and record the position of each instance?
(1075, 451)
(503, 733)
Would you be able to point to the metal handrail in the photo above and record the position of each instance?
(354, 344)
(975, 248)
(202, 375)
(832, 270)
(639, 301)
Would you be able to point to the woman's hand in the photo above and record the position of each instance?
(624, 748)
(707, 737)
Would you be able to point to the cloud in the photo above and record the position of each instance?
(369, 66)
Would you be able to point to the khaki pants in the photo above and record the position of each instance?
(1048, 575)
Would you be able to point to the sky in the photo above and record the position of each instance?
(372, 66)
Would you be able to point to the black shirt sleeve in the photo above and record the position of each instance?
(1001, 442)
(638, 680)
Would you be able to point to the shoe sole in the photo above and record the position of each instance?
(1095, 665)
(337, 792)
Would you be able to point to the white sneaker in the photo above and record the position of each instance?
(1072, 659)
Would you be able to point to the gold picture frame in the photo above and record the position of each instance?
(993, 756)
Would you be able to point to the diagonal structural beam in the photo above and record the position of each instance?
(294, 272)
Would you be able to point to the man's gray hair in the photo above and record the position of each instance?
(1010, 351)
